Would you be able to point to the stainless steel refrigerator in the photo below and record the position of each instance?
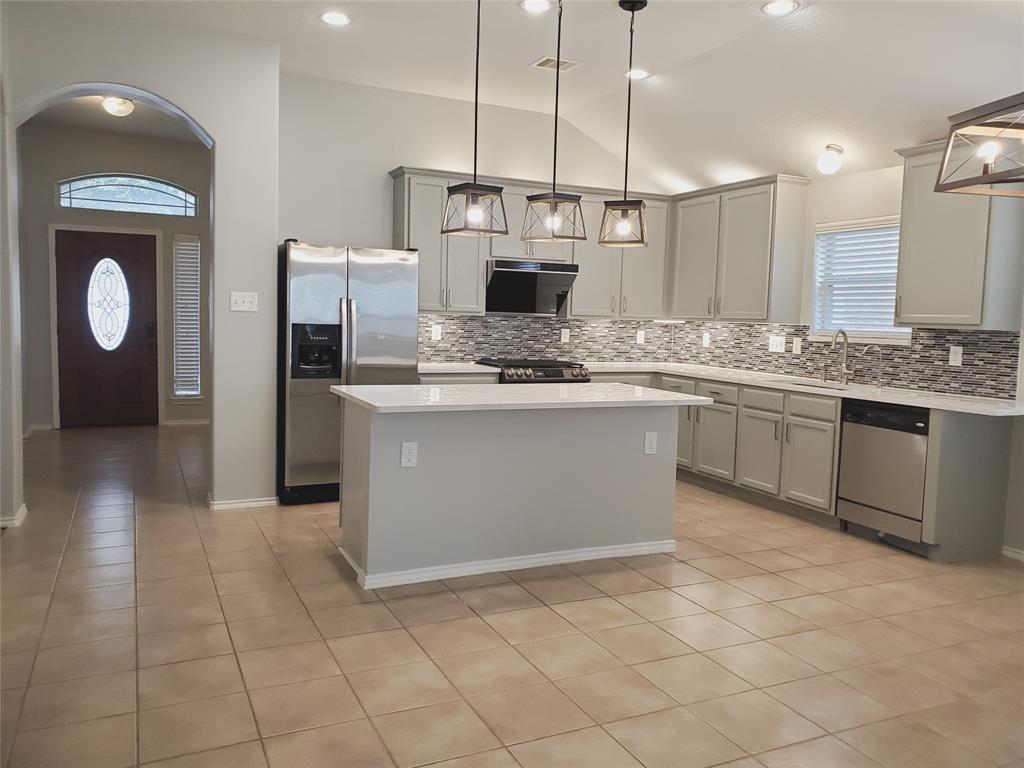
(346, 315)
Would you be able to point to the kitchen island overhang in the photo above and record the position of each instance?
(505, 477)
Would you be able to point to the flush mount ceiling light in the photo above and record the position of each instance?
(335, 18)
(985, 150)
(554, 217)
(535, 7)
(779, 7)
(638, 74)
(474, 209)
(624, 224)
(831, 160)
(118, 107)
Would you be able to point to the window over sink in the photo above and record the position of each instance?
(855, 280)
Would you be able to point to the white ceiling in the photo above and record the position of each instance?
(734, 93)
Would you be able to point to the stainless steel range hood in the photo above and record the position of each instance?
(529, 287)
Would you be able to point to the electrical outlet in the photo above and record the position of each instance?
(650, 443)
(435, 394)
(776, 343)
(956, 356)
(409, 454)
(705, 339)
(435, 333)
(641, 337)
(565, 335)
(242, 301)
(798, 345)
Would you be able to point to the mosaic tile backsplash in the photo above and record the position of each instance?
(989, 362)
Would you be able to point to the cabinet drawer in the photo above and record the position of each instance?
(813, 407)
(722, 393)
(763, 399)
(686, 386)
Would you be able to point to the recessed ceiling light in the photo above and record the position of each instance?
(335, 18)
(779, 7)
(118, 107)
(638, 74)
(535, 6)
(831, 160)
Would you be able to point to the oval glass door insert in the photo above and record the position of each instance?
(107, 303)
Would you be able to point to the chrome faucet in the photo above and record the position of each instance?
(878, 371)
(845, 372)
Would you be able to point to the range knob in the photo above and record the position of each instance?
(575, 373)
(512, 373)
(584, 373)
(528, 373)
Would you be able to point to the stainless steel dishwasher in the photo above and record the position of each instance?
(883, 453)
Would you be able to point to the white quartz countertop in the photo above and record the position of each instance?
(404, 398)
(983, 406)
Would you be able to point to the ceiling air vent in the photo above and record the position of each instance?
(548, 62)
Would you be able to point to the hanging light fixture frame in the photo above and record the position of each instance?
(554, 217)
(624, 224)
(984, 151)
(474, 209)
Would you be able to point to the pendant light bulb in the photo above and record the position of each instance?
(623, 226)
(552, 222)
(474, 213)
(988, 151)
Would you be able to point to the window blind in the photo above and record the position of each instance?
(855, 279)
(186, 301)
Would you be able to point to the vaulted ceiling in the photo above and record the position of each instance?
(734, 93)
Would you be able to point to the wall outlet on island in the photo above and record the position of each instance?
(776, 343)
(435, 333)
(650, 443)
(705, 339)
(641, 337)
(798, 345)
(956, 356)
(565, 335)
(409, 454)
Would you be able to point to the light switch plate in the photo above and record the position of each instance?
(435, 333)
(650, 443)
(798, 345)
(641, 337)
(956, 355)
(244, 301)
(705, 339)
(565, 335)
(776, 343)
(409, 454)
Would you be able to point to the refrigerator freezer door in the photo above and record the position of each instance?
(383, 292)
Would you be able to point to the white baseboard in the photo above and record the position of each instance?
(269, 501)
(1013, 553)
(473, 568)
(18, 519)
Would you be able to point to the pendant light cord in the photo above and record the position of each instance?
(558, 73)
(629, 106)
(476, 91)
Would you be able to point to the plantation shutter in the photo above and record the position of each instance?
(187, 333)
(855, 278)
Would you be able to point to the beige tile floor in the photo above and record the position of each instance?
(141, 628)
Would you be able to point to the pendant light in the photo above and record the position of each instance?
(985, 150)
(475, 209)
(554, 217)
(625, 221)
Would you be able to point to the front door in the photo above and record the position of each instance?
(106, 329)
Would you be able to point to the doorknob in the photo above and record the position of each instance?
(150, 329)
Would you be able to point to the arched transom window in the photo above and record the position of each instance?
(126, 193)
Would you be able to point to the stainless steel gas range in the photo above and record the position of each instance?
(512, 371)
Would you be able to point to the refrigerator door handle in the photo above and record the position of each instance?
(353, 330)
(343, 334)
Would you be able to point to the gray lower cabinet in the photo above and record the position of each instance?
(715, 441)
(808, 461)
(687, 419)
(759, 450)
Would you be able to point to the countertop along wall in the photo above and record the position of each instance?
(50, 154)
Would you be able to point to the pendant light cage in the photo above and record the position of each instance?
(984, 152)
(554, 217)
(624, 224)
(474, 209)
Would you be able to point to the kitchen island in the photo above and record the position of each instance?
(446, 481)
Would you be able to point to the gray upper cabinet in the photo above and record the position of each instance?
(643, 269)
(715, 441)
(596, 290)
(696, 257)
(510, 246)
(426, 200)
(959, 260)
(464, 274)
(759, 450)
(738, 253)
(808, 462)
(744, 253)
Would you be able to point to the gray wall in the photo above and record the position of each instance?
(50, 154)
